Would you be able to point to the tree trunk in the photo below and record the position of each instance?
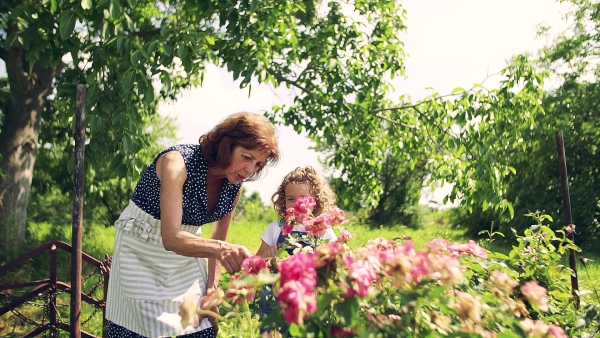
(18, 142)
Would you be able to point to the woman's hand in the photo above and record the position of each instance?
(232, 256)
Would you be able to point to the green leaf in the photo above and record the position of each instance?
(348, 311)
(182, 51)
(86, 4)
(71, 164)
(210, 39)
(511, 210)
(127, 81)
(135, 57)
(458, 90)
(66, 24)
(115, 10)
(149, 96)
(53, 6)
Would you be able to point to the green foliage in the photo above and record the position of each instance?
(572, 108)
(252, 208)
(465, 138)
(105, 196)
(399, 193)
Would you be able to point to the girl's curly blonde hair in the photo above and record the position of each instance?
(318, 187)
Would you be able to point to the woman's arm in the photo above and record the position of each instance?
(219, 233)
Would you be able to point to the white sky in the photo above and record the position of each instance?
(450, 43)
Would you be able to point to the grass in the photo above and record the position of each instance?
(247, 232)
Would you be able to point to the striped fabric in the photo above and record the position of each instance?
(147, 283)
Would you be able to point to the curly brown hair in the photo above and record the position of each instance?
(318, 187)
(244, 129)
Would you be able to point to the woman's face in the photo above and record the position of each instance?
(293, 191)
(245, 162)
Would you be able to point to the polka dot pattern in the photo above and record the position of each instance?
(195, 199)
(117, 331)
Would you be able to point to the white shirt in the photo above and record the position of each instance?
(271, 234)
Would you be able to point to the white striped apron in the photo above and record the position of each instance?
(148, 283)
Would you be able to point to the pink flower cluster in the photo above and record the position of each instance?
(407, 267)
(302, 213)
(458, 248)
(536, 295)
(361, 276)
(296, 285)
(253, 265)
(302, 209)
(240, 293)
(537, 328)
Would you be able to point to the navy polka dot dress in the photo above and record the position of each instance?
(148, 283)
(195, 202)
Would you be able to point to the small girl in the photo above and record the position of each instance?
(298, 183)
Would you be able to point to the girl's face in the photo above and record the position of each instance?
(245, 162)
(293, 191)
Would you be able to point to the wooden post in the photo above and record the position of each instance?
(77, 231)
(564, 182)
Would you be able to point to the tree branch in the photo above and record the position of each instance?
(394, 122)
(281, 78)
(431, 98)
(411, 105)
(3, 54)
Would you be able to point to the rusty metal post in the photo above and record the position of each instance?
(54, 286)
(77, 230)
(564, 182)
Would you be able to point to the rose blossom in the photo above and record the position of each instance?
(345, 236)
(240, 294)
(319, 225)
(214, 297)
(470, 248)
(296, 301)
(253, 265)
(326, 253)
(188, 310)
(361, 276)
(502, 281)
(299, 267)
(438, 244)
(337, 214)
(287, 229)
(556, 332)
(467, 307)
(303, 207)
(536, 295)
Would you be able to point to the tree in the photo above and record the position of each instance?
(400, 180)
(124, 49)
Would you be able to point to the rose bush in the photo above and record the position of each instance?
(391, 289)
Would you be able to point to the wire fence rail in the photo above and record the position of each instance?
(47, 295)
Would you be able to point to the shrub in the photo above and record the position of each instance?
(390, 289)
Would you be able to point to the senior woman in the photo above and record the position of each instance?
(160, 256)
